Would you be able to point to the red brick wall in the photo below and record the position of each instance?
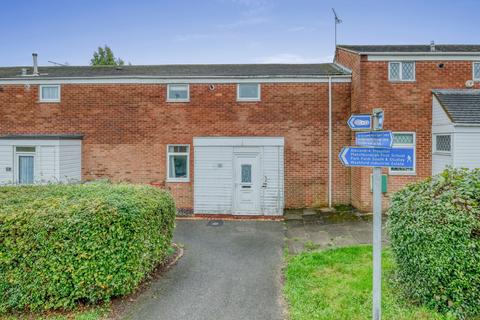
(407, 105)
(127, 127)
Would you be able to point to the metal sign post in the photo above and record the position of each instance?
(377, 243)
(374, 149)
(377, 227)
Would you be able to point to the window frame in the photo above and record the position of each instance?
(187, 153)
(258, 98)
(40, 93)
(401, 71)
(442, 152)
(473, 71)
(171, 99)
(414, 169)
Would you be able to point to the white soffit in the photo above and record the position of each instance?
(422, 57)
(152, 80)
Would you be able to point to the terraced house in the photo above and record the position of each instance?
(241, 139)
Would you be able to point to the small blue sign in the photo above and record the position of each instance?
(382, 139)
(377, 157)
(360, 122)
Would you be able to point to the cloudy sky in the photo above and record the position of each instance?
(222, 31)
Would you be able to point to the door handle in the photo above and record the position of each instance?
(246, 187)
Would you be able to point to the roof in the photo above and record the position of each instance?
(179, 71)
(43, 136)
(419, 49)
(462, 106)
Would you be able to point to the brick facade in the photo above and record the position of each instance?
(126, 128)
(407, 105)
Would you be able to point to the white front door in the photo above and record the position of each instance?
(26, 168)
(247, 183)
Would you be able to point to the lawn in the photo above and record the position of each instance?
(337, 284)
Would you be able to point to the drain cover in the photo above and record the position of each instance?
(215, 223)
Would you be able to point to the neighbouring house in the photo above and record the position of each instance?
(237, 139)
(455, 129)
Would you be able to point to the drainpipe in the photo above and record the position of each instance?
(330, 134)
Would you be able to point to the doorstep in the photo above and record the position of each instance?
(213, 216)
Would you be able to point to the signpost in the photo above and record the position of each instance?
(377, 157)
(374, 139)
(374, 149)
(360, 122)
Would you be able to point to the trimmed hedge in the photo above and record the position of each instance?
(434, 227)
(66, 244)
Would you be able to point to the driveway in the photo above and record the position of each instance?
(231, 271)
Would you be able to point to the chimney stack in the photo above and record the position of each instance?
(35, 64)
(432, 46)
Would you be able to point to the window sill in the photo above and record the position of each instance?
(402, 81)
(440, 153)
(174, 100)
(48, 101)
(248, 100)
(390, 173)
(173, 180)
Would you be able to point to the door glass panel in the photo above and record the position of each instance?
(25, 149)
(25, 169)
(246, 173)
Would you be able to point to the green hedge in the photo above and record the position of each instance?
(434, 227)
(66, 244)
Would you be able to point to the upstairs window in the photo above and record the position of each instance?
(178, 163)
(443, 143)
(178, 93)
(401, 71)
(248, 92)
(404, 140)
(49, 93)
(476, 71)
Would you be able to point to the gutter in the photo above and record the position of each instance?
(179, 79)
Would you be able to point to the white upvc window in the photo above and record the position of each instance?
(178, 162)
(405, 140)
(401, 71)
(476, 71)
(248, 92)
(49, 93)
(442, 143)
(177, 92)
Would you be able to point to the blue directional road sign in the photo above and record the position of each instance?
(382, 139)
(377, 157)
(360, 122)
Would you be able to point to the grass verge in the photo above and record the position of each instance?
(337, 284)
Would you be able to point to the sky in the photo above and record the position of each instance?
(222, 31)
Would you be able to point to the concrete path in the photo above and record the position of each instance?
(310, 229)
(232, 271)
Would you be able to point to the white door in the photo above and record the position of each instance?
(247, 183)
(26, 167)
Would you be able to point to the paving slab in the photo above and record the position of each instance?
(325, 229)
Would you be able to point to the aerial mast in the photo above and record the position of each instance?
(337, 21)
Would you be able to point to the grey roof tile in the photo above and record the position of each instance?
(180, 71)
(462, 106)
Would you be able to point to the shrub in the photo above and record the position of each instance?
(434, 227)
(66, 244)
